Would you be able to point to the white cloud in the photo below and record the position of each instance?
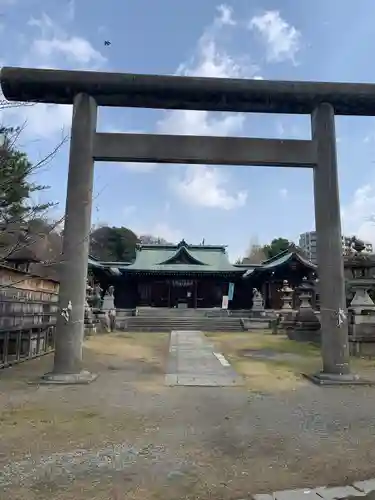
(225, 16)
(358, 217)
(46, 26)
(54, 44)
(139, 167)
(212, 60)
(282, 40)
(73, 49)
(165, 231)
(39, 120)
(128, 210)
(209, 61)
(292, 131)
(203, 185)
(280, 128)
(369, 138)
(159, 229)
(283, 192)
(200, 123)
(206, 187)
(71, 10)
(52, 48)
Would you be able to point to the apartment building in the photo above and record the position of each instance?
(307, 242)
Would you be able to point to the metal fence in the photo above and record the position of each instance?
(27, 324)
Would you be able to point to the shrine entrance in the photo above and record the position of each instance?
(183, 293)
(88, 90)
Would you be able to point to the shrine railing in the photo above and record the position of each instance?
(27, 324)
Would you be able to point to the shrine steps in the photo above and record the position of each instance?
(189, 312)
(160, 323)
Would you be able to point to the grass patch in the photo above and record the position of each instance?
(39, 427)
(42, 416)
(272, 374)
(277, 372)
(128, 345)
(263, 340)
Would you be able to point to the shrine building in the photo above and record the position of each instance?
(197, 276)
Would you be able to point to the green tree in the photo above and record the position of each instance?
(18, 209)
(118, 243)
(276, 246)
(113, 244)
(16, 187)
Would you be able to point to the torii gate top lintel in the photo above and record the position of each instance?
(180, 92)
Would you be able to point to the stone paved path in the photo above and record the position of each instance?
(193, 362)
(363, 489)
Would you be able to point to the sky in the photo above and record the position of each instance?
(275, 40)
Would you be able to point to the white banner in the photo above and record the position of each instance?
(224, 304)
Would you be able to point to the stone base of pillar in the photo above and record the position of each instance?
(336, 379)
(84, 377)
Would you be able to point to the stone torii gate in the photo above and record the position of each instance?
(87, 90)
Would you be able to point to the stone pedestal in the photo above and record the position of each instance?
(108, 303)
(306, 323)
(257, 309)
(104, 325)
(362, 335)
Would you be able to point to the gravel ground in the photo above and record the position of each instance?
(129, 436)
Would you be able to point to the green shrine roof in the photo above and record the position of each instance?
(185, 258)
(284, 257)
(278, 260)
(179, 258)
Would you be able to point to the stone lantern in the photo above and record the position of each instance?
(361, 280)
(89, 316)
(306, 324)
(286, 319)
(361, 308)
(286, 296)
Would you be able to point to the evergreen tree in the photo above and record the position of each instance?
(16, 187)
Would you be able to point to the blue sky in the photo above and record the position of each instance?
(286, 39)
